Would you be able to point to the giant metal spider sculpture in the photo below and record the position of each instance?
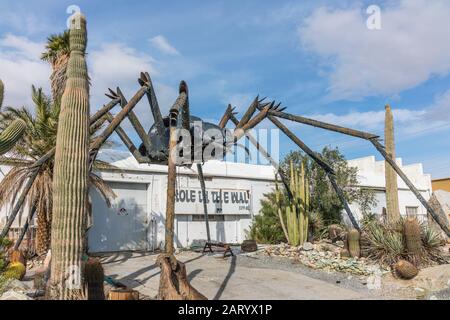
(161, 139)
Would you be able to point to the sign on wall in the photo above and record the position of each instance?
(219, 201)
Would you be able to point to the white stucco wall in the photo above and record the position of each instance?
(371, 175)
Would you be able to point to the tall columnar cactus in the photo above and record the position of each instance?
(413, 238)
(70, 175)
(353, 238)
(11, 135)
(297, 211)
(393, 211)
(2, 92)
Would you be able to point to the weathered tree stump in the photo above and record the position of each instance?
(123, 294)
(173, 283)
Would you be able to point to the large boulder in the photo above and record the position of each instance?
(14, 295)
(16, 285)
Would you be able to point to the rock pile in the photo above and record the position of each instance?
(323, 255)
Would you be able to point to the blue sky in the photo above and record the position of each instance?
(316, 57)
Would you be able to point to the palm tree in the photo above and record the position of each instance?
(38, 139)
(57, 54)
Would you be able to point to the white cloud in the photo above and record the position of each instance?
(408, 123)
(411, 47)
(162, 44)
(21, 67)
(116, 64)
(370, 120)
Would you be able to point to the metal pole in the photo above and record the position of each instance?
(205, 205)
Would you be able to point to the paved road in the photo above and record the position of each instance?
(230, 278)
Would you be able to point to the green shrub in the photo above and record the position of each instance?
(266, 227)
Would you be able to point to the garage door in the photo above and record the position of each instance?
(123, 226)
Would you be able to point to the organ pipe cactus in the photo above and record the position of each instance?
(70, 187)
(11, 135)
(297, 211)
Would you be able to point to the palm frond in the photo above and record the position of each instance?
(103, 188)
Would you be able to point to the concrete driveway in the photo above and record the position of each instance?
(238, 277)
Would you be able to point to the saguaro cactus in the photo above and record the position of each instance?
(2, 92)
(11, 135)
(70, 186)
(393, 211)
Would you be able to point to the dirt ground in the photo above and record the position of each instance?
(257, 276)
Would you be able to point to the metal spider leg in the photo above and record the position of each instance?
(128, 143)
(134, 121)
(154, 106)
(205, 205)
(323, 125)
(321, 163)
(268, 157)
(98, 142)
(249, 113)
(226, 116)
(373, 138)
(239, 132)
(106, 108)
(411, 186)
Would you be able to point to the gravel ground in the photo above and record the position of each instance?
(261, 260)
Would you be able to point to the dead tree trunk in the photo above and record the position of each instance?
(173, 283)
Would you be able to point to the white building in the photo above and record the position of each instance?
(137, 216)
(371, 176)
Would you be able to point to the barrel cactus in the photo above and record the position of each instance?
(70, 176)
(353, 237)
(15, 270)
(11, 135)
(2, 93)
(405, 269)
(413, 238)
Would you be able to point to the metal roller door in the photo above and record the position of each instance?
(124, 225)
